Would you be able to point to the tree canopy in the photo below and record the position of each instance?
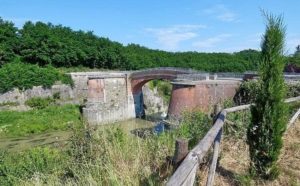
(60, 46)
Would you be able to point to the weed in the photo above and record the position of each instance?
(39, 103)
(9, 103)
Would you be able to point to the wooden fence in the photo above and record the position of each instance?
(186, 172)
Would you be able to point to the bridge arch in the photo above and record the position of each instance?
(139, 78)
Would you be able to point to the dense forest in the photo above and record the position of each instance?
(60, 46)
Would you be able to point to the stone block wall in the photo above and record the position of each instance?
(19, 97)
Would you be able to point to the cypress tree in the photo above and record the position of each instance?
(268, 114)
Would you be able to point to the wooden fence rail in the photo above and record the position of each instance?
(186, 172)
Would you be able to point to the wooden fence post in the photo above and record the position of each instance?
(181, 150)
(213, 165)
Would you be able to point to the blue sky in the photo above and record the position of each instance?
(182, 25)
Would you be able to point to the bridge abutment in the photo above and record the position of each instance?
(199, 95)
(109, 99)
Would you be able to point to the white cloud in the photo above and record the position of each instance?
(171, 37)
(222, 13)
(211, 42)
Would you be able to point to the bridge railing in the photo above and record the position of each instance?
(221, 75)
(193, 77)
(175, 69)
(186, 172)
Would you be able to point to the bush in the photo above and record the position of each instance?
(248, 91)
(25, 76)
(39, 103)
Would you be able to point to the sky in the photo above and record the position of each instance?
(171, 25)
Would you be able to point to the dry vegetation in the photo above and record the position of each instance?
(234, 162)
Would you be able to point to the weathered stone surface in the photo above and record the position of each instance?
(153, 101)
(16, 96)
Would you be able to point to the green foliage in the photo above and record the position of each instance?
(56, 96)
(164, 88)
(25, 165)
(194, 126)
(105, 156)
(8, 41)
(59, 46)
(52, 118)
(240, 122)
(268, 115)
(39, 103)
(247, 92)
(25, 76)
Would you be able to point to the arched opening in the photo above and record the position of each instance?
(151, 98)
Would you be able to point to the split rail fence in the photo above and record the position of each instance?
(186, 173)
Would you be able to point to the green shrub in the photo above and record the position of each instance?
(194, 126)
(248, 91)
(25, 76)
(56, 95)
(39, 103)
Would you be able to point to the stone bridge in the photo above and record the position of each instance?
(115, 96)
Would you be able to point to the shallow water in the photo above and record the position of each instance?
(60, 138)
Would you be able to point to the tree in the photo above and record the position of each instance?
(268, 114)
(297, 52)
(8, 41)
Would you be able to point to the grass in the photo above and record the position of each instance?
(103, 156)
(52, 118)
(110, 156)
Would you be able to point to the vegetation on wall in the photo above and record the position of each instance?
(164, 88)
(268, 114)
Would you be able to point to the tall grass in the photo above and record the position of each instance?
(105, 156)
